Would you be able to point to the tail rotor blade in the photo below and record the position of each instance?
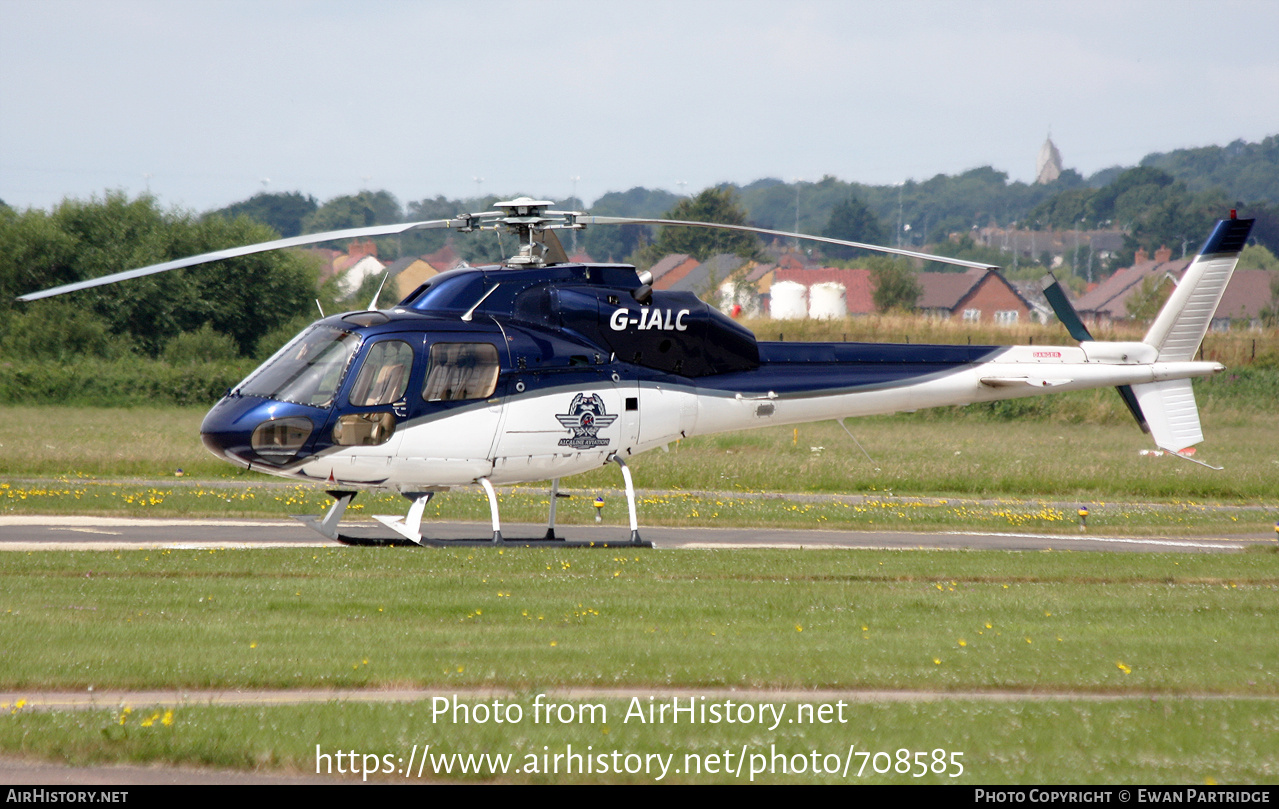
(1130, 398)
(1063, 310)
(1070, 319)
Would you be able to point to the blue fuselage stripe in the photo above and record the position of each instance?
(820, 368)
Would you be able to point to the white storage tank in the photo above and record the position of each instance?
(827, 300)
(787, 301)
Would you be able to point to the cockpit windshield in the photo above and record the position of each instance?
(308, 370)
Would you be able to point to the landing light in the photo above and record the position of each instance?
(278, 440)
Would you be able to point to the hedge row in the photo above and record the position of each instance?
(119, 383)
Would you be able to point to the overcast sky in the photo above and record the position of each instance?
(207, 103)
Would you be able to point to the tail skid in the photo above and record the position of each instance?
(1171, 412)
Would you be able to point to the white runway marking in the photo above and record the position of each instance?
(1175, 543)
(89, 531)
(131, 522)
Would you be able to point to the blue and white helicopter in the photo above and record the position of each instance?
(540, 368)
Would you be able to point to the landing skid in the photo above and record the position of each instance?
(375, 542)
(536, 542)
(409, 527)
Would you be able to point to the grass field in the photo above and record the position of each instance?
(1183, 637)
(1143, 741)
(524, 618)
(1162, 663)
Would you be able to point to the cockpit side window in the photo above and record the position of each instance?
(460, 371)
(308, 370)
(384, 376)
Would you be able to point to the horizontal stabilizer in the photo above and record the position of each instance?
(1171, 412)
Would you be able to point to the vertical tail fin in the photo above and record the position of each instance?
(1184, 320)
(1180, 327)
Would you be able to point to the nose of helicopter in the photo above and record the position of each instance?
(248, 430)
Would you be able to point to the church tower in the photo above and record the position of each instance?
(1048, 166)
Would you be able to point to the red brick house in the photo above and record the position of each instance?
(977, 295)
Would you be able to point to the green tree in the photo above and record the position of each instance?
(895, 281)
(717, 205)
(965, 248)
(616, 242)
(476, 248)
(201, 346)
(285, 212)
(852, 221)
(1149, 298)
(1065, 211)
(1103, 205)
(49, 330)
(1247, 170)
(1257, 257)
(243, 298)
(361, 210)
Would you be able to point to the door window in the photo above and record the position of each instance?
(460, 371)
(384, 376)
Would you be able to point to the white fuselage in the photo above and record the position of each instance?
(523, 438)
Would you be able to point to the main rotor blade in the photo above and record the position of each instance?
(896, 251)
(235, 252)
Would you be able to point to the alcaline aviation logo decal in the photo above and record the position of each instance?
(585, 417)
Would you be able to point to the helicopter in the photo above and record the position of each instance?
(540, 368)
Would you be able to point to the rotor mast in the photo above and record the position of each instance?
(533, 222)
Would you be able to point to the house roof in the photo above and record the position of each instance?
(795, 261)
(948, 290)
(703, 276)
(446, 258)
(1111, 296)
(675, 274)
(396, 267)
(353, 276)
(669, 262)
(1248, 292)
(409, 273)
(944, 290)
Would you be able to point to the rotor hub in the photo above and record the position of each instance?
(528, 218)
